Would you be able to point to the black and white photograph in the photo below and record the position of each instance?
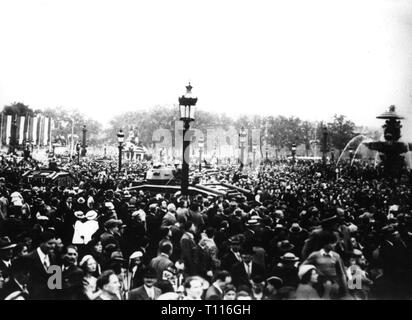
(178, 150)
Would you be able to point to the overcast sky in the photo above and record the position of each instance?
(304, 58)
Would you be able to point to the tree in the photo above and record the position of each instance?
(307, 133)
(19, 109)
(341, 131)
(65, 118)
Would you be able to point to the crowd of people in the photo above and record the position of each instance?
(305, 231)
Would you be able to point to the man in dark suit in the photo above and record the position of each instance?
(162, 261)
(243, 272)
(72, 275)
(147, 291)
(233, 256)
(188, 249)
(40, 261)
(215, 291)
(6, 253)
(112, 233)
(17, 285)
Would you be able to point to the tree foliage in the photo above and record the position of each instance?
(340, 131)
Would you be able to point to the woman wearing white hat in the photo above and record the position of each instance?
(89, 266)
(308, 276)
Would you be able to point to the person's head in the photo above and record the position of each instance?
(96, 245)
(59, 245)
(136, 258)
(166, 248)
(247, 254)
(327, 241)
(353, 241)
(210, 232)
(273, 284)
(88, 264)
(243, 293)
(108, 282)
(28, 242)
(308, 274)
(21, 250)
(229, 292)
(69, 200)
(194, 287)
(20, 269)
(70, 255)
(113, 225)
(149, 277)
(189, 227)
(48, 242)
(222, 278)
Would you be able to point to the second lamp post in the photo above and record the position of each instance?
(187, 114)
(120, 140)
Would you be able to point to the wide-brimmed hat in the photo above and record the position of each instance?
(111, 223)
(136, 254)
(109, 205)
(289, 257)
(275, 281)
(91, 215)
(252, 223)
(285, 246)
(117, 256)
(5, 243)
(329, 219)
(236, 240)
(79, 214)
(279, 227)
(295, 228)
(303, 269)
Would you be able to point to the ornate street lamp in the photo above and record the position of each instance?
(84, 151)
(120, 140)
(187, 103)
(293, 149)
(78, 147)
(201, 145)
(242, 141)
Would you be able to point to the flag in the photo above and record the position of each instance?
(20, 129)
(34, 129)
(8, 129)
(46, 131)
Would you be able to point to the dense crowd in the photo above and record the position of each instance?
(306, 231)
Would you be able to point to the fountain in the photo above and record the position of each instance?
(391, 150)
(348, 144)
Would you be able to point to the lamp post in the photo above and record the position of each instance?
(293, 149)
(350, 155)
(324, 143)
(13, 135)
(242, 141)
(201, 145)
(78, 152)
(84, 151)
(187, 103)
(254, 155)
(120, 140)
